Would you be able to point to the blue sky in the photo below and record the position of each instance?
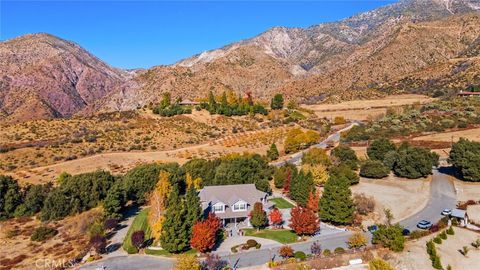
(132, 34)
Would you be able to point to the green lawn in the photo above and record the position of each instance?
(139, 223)
(282, 236)
(281, 203)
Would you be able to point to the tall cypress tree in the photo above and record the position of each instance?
(301, 187)
(212, 104)
(175, 233)
(193, 211)
(336, 204)
(272, 153)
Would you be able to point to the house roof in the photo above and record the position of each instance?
(229, 195)
(458, 213)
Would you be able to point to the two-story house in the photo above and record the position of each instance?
(232, 203)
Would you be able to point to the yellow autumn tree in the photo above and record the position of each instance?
(157, 202)
(196, 183)
(297, 139)
(319, 172)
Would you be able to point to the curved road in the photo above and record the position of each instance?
(442, 195)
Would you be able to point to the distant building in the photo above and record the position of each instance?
(232, 203)
(468, 94)
(188, 102)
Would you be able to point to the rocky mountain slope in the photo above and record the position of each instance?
(43, 76)
(412, 45)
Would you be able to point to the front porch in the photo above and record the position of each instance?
(233, 226)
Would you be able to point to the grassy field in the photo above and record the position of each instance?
(281, 203)
(139, 223)
(281, 236)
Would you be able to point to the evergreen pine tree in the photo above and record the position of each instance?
(336, 204)
(272, 153)
(193, 211)
(212, 104)
(114, 201)
(301, 187)
(175, 233)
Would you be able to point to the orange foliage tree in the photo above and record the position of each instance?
(204, 233)
(275, 217)
(304, 221)
(313, 200)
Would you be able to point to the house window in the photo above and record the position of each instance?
(218, 208)
(240, 207)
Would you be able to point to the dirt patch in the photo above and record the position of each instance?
(466, 190)
(472, 134)
(402, 196)
(415, 255)
(19, 252)
(366, 109)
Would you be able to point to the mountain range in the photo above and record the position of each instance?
(411, 45)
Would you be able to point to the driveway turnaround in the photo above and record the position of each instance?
(442, 195)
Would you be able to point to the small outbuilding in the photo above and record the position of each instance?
(188, 102)
(461, 216)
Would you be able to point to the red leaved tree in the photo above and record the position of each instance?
(313, 200)
(204, 233)
(203, 237)
(275, 217)
(286, 252)
(214, 222)
(304, 221)
(138, 238)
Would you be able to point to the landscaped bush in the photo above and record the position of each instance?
(374, 169)
(443, 235)
(432, 252)
(43, 233)
(286, 252)
(437, 240)
(434, 228)
(418, 234)
(450, 231)
(300, 255)
(390, 237)
(251, 243)
(379, 264)
(326, 252)
(339, 250)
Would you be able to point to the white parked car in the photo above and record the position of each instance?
(447, 212)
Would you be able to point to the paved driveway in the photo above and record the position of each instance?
(442, 195)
